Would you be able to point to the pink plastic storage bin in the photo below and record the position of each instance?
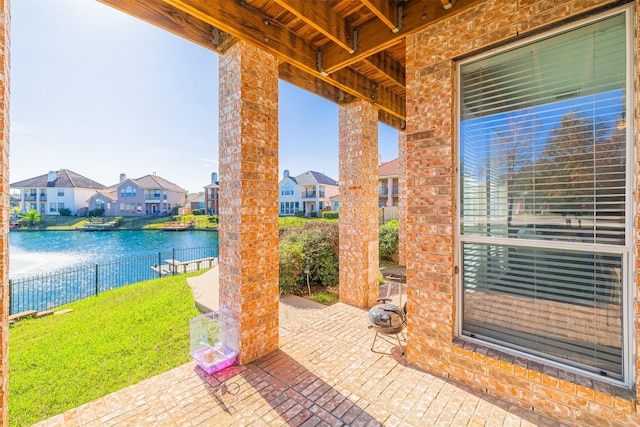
(206, 349)
(222, 357)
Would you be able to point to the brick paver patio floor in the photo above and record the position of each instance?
(324, 374)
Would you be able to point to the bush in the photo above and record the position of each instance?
(64, 212)
(313, 214)
(388, 241)
(330, 215)
(197, 212)
(299, 214)
(30, 218)
(313, 245)
(291, 265)
(118, 220)
(213, 219)
(97, 212)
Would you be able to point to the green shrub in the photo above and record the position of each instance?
(291, 265)
(118, 220)
(313, 245)
(388, 241)
(64, 212)
(313, 214)
(330, 215)
(299, 214)
(197, 212)
(213, 218)
(30, 218)
(96, 212)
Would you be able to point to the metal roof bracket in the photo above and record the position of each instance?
(399, 23)
(355, 42)
(319, 63)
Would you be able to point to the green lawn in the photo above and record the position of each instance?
(107, 343)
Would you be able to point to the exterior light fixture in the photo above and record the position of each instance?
(446, 4)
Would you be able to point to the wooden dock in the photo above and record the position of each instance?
(176, 226)
(174, 266)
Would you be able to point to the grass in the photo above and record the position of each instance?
(200, 222)
(107, 343)
(326, 296)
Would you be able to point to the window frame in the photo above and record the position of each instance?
(626, 251)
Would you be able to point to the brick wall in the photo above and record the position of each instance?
(430, 243)
(358, 125)
(248, 229)
(402, 196)
(5, 17)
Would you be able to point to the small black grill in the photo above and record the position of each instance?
(388, 319)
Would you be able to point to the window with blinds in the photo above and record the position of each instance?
(543, 196)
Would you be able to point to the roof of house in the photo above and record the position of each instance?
(390, 168)
(109, 193)
(313, 177)
(195, 197)
(154, 181)
(64, 179)
(292, 178)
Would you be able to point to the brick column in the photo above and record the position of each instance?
(4, 209)
(358, 204)
(402, 196)
(248, 229)
(429, 243)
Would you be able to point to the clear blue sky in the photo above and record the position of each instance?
(101, 93)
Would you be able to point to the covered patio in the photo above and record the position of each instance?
(492, 99)
(323, 374)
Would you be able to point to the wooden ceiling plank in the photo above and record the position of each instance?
(374, 36)
(167, 17)
(391, 121)
(320, 16)
(386, 11)
(391, 68)
(249, 25)
(303, 80)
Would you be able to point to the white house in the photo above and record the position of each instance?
(308, 192)
(48, 193)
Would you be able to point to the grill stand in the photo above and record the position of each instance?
(386, 300)
(375, 337)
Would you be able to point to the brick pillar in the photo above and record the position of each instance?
(248, 229)
(402, 196)
(4, 208)
(430, 244)
(358, 204)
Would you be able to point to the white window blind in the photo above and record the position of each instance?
(543, 189)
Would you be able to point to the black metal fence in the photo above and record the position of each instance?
(47, 291)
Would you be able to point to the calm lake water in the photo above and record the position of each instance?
(45, 252)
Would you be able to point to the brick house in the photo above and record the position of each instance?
(517, 171)
(147, 195)
(309, 192)
(62, 189)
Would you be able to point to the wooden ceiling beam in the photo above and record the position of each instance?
(254, 27)
(391, 121)
(391, 68)
(375, 36)
(386, 11)
(176, 21)
(303, 80)
(320, 16)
